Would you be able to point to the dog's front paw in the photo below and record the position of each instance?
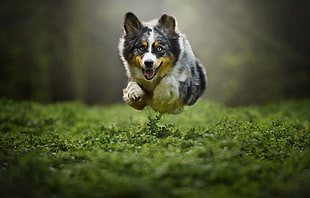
(133, 92)
(133, 95)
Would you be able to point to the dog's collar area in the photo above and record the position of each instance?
(149, 74)
(148, 92)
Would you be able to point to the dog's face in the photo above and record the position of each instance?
(151, 49)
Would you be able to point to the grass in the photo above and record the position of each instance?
(71, 150)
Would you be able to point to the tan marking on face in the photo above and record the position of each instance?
(144, 43)
(156, 43)
(167, 63)
(136, 61)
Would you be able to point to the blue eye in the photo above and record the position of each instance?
(142, 48)
(159, 49)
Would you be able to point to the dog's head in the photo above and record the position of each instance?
(150, 49)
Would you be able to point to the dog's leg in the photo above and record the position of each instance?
(133, 95)
(166, 97)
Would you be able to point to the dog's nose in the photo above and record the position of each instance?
(148, 63)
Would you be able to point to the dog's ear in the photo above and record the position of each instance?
(167, 22)
(132, 23)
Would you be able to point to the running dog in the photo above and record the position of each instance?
(163, 72)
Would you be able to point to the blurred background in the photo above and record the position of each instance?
(255, 51)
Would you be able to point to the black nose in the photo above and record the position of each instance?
(148, 64)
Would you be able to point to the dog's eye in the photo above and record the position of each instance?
(142, 48)
(159, 49)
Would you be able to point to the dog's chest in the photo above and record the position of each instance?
(148, 86)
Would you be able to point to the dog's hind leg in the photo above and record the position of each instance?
(134, 96)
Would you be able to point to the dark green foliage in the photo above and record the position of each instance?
(70, 150)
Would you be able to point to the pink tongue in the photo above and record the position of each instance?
(149, 74)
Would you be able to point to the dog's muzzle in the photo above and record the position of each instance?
(149, 73)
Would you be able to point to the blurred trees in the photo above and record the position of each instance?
(254, 51)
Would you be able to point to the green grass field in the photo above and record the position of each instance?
(72, 150)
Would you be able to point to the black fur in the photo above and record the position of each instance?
(133, 40)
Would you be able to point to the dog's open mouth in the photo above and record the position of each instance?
(149, 74)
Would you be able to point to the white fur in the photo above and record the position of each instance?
(133, 92)
(167, 91)
(148, 56)
(151, 39)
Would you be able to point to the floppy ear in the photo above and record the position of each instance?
(132, 23)
(167, 22)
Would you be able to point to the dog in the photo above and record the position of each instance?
(162, 70)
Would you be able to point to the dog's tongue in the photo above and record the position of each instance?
(149, 74)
